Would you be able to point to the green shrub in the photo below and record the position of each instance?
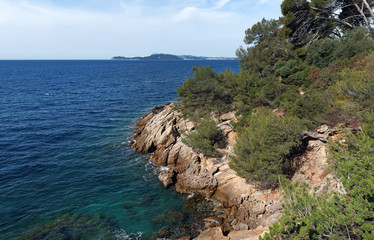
(326, 51)
(358, 85)
(332, 215)
(261, 149)
(207, 91)
(205, 137)
(299, 78)
(356, 41)
(244, 116)
(321, 53)
(285, 69)
(309, 106)
(307, 216)
(270, 89)
(368, 123)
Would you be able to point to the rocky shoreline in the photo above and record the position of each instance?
(247, 212)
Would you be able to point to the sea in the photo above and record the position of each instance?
(66, 170)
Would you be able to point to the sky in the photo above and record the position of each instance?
(100, 29)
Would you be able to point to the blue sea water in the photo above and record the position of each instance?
(65, 168)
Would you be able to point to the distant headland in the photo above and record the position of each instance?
(162, 56)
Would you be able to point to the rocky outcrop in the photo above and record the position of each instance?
(167, 177)
(160, 133)
(247, 211)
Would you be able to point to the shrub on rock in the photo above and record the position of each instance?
(262, 149)
(205, 138)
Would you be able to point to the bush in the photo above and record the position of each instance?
(207, 91)
(307, 216)
(205, 137)
(298, 78)
(285, 69)
(368, 123)
(359, 85)
(270, 89)
(326, 51)
(356, 41)
(321, 53)
(262, 149)
(332, 215)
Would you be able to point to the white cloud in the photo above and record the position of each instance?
(221, 3)
(194, 14)
(215, 13)
(41, 29)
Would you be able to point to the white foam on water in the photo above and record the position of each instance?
(190, 195)
(164, 168)
(121, 234)
(146, 179)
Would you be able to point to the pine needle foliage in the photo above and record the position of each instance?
(344, 214)
(359, 85)
(207, 91)
(262, 149)
(205, 138)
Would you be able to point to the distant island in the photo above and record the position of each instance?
(162, 56)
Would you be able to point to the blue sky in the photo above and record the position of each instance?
(100, 29)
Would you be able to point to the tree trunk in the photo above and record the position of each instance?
(368, 7)
(361, 11)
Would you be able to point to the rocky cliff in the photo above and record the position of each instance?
(248, 211)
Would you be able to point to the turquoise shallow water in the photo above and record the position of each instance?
(65, 168)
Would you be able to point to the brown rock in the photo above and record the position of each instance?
(167, 177)
(242, 214)
(184, 238)
(174, 154)
(157, 109)
(212, 234)
(240, 226)
(258, 208)
(211, 222)
(227, 117)
(274, 206)
(248, 234)
(160, 157)
(323, 129)
(195, 180)
(270, 218)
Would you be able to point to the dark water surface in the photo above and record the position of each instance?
(65, 167)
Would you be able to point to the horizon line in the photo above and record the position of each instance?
(98, 59)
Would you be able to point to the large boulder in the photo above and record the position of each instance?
(167, 177)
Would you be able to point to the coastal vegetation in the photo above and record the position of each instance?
(262, 149)
(205, 138)
(347, 214)
(314, 65)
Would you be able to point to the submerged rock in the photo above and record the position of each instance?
(74, 226)
(189, 221)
